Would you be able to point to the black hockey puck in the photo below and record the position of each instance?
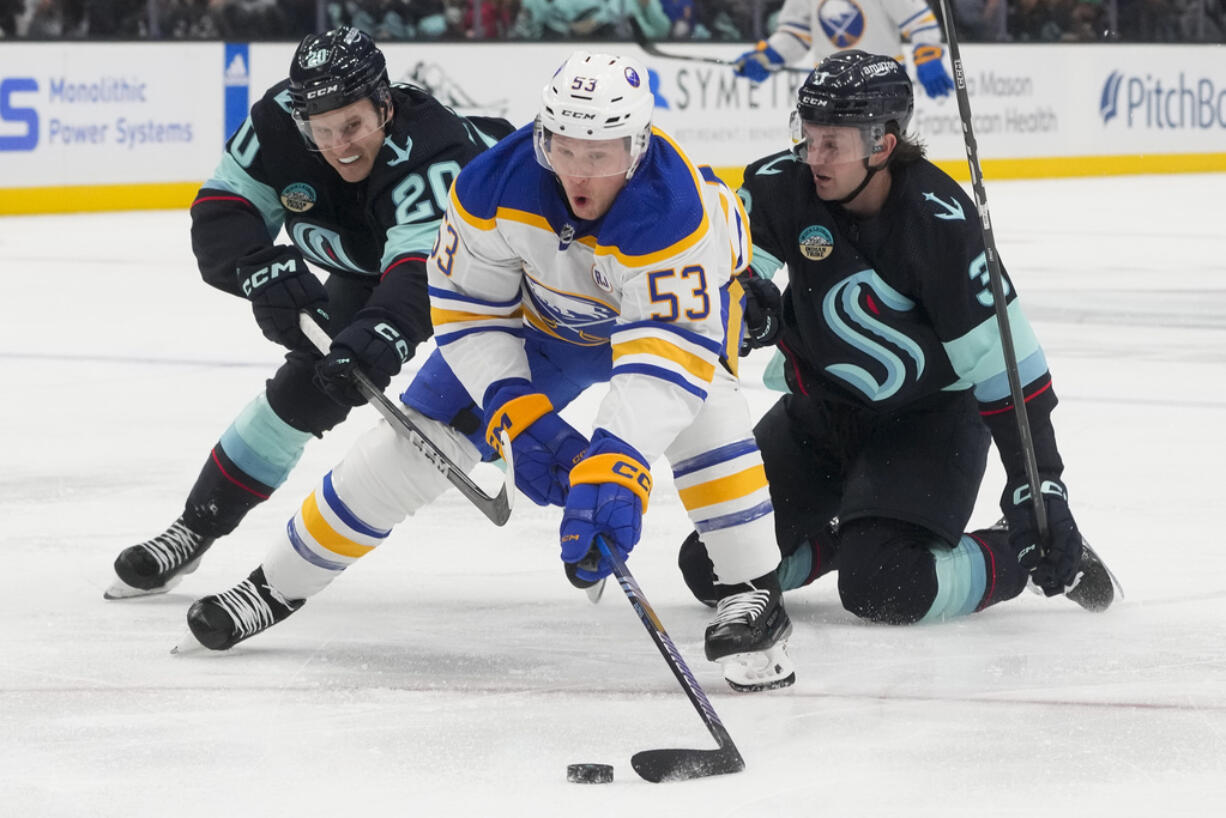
(589, 773)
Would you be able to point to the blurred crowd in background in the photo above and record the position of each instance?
(1161, 21)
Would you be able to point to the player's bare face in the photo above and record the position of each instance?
(835, 156)
(349, 138)
(592, 172)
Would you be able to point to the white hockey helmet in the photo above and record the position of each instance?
(595, 98)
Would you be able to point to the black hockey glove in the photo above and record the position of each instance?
(763, 308)
(278, 284)
(370, 344)
(1053, 568)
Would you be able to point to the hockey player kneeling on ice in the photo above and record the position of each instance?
(893, 357)
(584, 248)
(336, 155)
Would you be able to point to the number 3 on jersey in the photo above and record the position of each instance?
(687, 291)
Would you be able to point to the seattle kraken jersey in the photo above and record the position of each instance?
(875, 26)
(895, 310)
(267, 179)
(650, 279)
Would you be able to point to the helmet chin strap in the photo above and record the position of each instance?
(869, 172)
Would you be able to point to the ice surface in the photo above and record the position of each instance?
(454, 672)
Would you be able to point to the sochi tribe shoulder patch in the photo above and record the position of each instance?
(298, 197)
(816, 242)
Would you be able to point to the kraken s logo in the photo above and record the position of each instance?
(325, 247)
(1108, 103)
(851, 321)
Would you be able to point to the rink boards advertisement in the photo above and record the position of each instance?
(98, 126)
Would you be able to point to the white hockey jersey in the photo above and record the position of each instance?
(651, 279)
(875, 26)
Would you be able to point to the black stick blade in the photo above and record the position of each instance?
(658, 766)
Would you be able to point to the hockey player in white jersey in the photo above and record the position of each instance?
(586, 248)
(822, 27)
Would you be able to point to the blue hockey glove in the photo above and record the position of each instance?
(543, 446)
(931, 70)
(757, 65)
(608, 496)
(278, 284)
(370, 344)
(1054, 568)
(763, 308)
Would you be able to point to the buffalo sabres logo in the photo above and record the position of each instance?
(816, 242)
(570, 316)
(843, 22)
(298, 197)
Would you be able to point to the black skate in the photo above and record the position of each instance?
(748, 636)
(1095, 585)
(1094, 588)
(159, 564)
(221, 621)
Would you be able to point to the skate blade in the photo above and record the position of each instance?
(769, 669)
(122, 590)
(188, 645)
(595, 592)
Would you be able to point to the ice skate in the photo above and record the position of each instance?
(1095, 586)
(157, 565)
(748, 636)
(221, 621)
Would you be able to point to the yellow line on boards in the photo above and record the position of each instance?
(1060, 167)
(91, 198)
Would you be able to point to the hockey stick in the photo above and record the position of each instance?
(996, 278)
(675, 765)
(640, 39)
(497, 509)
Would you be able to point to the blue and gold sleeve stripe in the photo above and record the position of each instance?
(327, 534)
(454, 315)
(724, 487)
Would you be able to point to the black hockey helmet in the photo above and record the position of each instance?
(856, 88)
(337, 68)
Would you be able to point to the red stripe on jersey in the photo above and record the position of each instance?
(228, 476)
(398, 262)
(1026, 399)
(223, 199)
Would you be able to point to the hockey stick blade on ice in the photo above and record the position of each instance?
(680, 764)
(497, 508)
(649, 47)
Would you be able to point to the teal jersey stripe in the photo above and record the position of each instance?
(961, 580)
(764, 264)
(262, 444)
(231, 177)
(979, 358)
(409, 239)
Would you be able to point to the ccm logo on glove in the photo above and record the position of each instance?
(614, 468)
(1022, 493)
(262, 276)
(393, 337)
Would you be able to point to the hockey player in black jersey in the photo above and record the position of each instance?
(356, 172)
(892, 355)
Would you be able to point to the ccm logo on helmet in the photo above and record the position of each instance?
(319, 92)
(577, 114)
